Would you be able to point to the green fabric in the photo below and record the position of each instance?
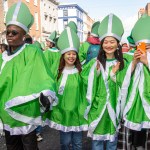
(140, 30)
(24, 75)
(52, 37)
(99, 94)
(94, 29)
(129, 55)
(53, 59)
(111, 25)
(70, 110)
(73, 26)
(24, 17)
(137, 113)
(130, 40)
(68, 40)
(36, 43)
(83, 51)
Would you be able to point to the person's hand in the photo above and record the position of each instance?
(115, 68)
(143, 59)
(137, 56)
(44, 101)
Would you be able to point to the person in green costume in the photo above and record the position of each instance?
(136, 112)
(106, 80)
(129, 55)
(127, 138)
(90, 48)
(26, 85)
(67, 116)
(52, 54)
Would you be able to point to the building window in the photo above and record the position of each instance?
(50, 18)
(36, 21)
(35, 2)
(45, 16)
(65, 23)
(65, 12)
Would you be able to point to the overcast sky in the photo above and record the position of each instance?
(126, 10)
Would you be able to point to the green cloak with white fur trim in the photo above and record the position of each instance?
(104, 95)
(52, 56)
(23, 76)
(137, 109)
(68, 115)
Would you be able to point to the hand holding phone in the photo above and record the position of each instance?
(142, 47)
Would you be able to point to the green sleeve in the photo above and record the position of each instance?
(48, 57)
(83, 51)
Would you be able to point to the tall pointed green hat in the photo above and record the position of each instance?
(73, 26)
(52, 37)
(111, 25)
(94, 29)
(68, 40)
(19, 14)
(131, 41)
(141, 30)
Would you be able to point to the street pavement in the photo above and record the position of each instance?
(51, 140)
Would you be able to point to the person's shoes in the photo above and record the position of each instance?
(39, 137)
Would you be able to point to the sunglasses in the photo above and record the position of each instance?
(13, 32)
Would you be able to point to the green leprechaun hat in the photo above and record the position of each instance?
(19, 14)
(73, 26)
(131, 41)
(68, 40)
(52, 37)
(94, 29)
(111, 25)
(141, 30)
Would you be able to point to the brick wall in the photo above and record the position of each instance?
(35, 33)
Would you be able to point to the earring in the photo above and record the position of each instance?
(23, 39)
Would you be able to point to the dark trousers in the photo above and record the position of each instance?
(21, 142)
(139, 138)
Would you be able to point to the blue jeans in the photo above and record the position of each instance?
(71, 138)
(99, 145)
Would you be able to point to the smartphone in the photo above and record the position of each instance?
(142, 47)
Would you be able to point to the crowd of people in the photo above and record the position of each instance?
(100, 86)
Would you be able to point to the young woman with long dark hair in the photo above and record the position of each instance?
(105, 83)
(67, 116)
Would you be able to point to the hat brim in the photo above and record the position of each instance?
(110, 34)
(69, 49)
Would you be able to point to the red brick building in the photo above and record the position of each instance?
(34, 6)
